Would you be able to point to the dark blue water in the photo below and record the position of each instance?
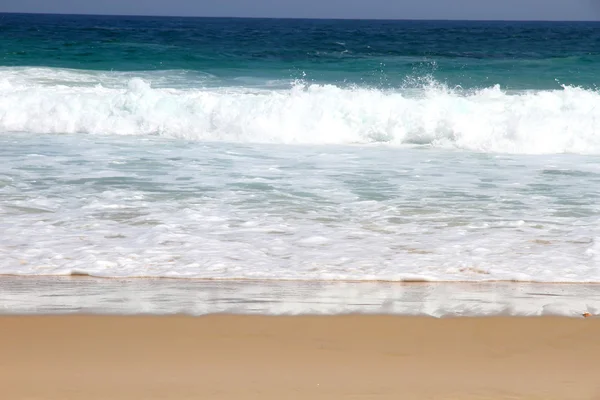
(515, 55)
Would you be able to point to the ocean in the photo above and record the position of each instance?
(303, 150)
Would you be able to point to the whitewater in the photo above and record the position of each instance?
(177, 174)
(43, 100)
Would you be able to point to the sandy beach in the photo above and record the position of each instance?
(307, 357)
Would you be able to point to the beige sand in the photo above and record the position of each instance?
(345, 357)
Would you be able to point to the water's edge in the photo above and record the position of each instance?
(83, 295)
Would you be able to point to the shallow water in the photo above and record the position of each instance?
(127, 207)
(174, 296)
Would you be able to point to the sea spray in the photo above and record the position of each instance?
(485, 120)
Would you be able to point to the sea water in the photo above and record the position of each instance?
(299, 149)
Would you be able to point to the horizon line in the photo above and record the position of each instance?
(292, 18)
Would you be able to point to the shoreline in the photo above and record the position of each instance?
(86, 295)
(302, 357)
(84, 275)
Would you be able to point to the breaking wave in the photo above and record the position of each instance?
(486, 120)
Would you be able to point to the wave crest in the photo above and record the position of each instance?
(487, 120)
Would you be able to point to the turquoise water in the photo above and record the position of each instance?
(299, 149)
(515, 55)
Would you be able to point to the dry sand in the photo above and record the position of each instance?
(335, 357)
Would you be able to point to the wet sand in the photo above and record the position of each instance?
(309, 357)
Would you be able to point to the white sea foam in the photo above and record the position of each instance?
(116, 199)
(127, 207)
(487, 120)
